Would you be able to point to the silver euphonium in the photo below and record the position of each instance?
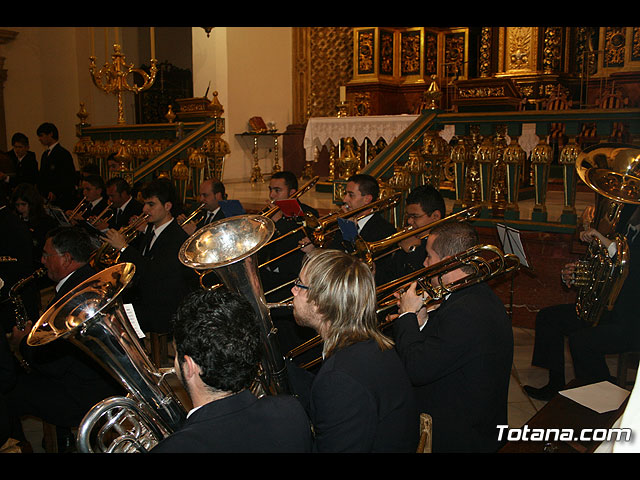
(229, 248)
(92, 317)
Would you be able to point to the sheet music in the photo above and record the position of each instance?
(131, 315)
(511, 243)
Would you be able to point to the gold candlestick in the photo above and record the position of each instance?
(112, 77)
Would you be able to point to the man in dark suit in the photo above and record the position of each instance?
(283, 185)
(212, 192)
(424, 205)
(361, 399)
(24, 161)
(95, 201)
(218, 351)
(617, 331)
(123, 205)
(161, 280)
(459, 356)
(57, 179)
(64, 382)
(361, 190)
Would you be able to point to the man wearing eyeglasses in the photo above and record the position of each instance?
(424, 205)
(361, 399)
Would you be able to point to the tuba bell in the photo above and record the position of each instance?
(229, 248)
(92, 317)
(612, 170)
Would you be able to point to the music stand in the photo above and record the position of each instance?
(512, 244)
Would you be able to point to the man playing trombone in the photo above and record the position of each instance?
(458, 356)
(212, 192)
(361, 190)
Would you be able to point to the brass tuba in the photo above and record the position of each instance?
(612, 170)
(229, 248)
(92, 317)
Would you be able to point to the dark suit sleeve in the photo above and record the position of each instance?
(433, 353)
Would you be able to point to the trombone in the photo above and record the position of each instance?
(367, 250)
(194, 214)
(103, 214)
(487, 261)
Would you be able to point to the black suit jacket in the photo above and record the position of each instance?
(360, 400)
(242, 423)
(58, 175)
(133, 208)
(161, 280)
(288, 267)
(460, 364)
(376, 228)
(26, 170)
(203, 221)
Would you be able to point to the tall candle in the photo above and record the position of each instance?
(93, 41)
(152, 33)
(106, 44)
(343, 94)
(116, 31)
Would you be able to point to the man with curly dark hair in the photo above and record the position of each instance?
(218, 351)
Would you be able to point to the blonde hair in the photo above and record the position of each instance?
(343, 289)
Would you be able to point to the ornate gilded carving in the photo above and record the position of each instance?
(386, 52)
(552, 51)
(635, 44)
(614, 46)
(484, 58)
(481, 92)
(366, 51)
(410, 52)
(586, 47)
(455, 54)
(430, 53)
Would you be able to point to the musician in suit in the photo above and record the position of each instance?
(57, 178)
(161, 280)
(617, 331)
(123, 205)
(361, 190)
(93, 192)
(212, 192)
(283, 185)
(64, 382)
(218, 351)
(361, 399)
(459, 356)
(423, 206)
(24, 161)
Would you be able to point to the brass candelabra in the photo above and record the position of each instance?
(112, 77)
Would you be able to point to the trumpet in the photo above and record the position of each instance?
(80, 209)
(106, 255)
(194, 214)
(270, 211)
(102, 216)
(487, 262)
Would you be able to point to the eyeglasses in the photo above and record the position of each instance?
(47, 255)
(413, 216)
(297, 284)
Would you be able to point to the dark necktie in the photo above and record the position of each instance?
(149, 238)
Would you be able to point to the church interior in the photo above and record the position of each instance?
(494, 117)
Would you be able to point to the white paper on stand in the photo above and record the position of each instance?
(131, 314)
(600, 397)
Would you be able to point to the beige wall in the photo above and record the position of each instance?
(250, 67)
